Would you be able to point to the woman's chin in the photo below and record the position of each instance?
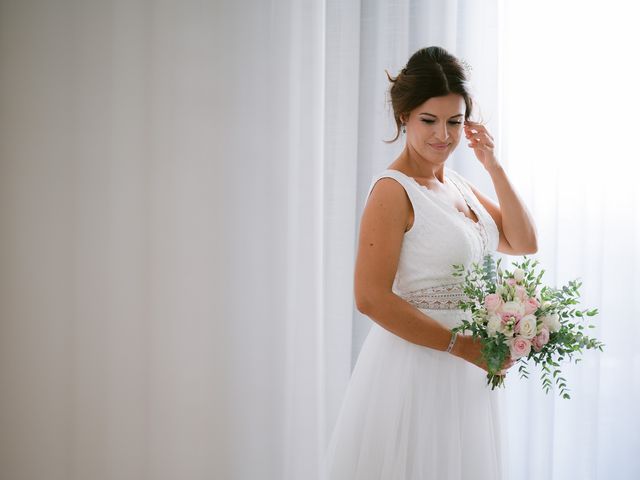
(436, 158)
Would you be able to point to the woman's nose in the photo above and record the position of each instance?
(443, 133)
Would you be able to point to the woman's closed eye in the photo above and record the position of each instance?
(452, 123)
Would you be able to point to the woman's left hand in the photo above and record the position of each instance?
(482, 143)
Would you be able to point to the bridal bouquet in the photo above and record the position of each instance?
(513, 316)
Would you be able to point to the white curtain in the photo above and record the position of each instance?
(163, 223)
(567, 109)
(180, 190)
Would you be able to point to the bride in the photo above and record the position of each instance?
(417, 406)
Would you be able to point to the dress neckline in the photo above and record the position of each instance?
(442, 202)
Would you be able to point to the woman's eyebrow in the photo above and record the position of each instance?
(427, 113)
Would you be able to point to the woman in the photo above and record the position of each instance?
(417, 405)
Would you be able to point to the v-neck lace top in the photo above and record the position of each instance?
(441, 235)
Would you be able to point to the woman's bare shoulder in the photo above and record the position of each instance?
(389, 204)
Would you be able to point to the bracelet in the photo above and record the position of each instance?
(454, 337)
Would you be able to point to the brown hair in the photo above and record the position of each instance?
(430, 72)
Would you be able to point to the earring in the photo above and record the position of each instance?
(404, 129)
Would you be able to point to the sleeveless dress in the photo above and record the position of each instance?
(411, 412)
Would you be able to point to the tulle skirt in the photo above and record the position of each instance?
(414, 413)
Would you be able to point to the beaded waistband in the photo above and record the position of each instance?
(439, 297)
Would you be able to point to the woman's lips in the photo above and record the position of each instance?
(439, 147)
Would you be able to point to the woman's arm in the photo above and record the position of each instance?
(515, 224)
(382, 229)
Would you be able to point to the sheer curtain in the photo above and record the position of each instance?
(180, 191)
(568, 137)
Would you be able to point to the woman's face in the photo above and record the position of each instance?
(438, 121)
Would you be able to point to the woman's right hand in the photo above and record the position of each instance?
(470, 349)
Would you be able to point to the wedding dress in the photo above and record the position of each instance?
(411, 412)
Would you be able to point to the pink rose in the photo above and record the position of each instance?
(511, 281)
(520, 347)
(507, 316)
(530, 305)
(541, 339)
(521, 293)
(492, 302)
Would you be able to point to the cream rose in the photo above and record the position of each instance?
(527, 327)
(552, 322)
(513, 306)
(518, 275)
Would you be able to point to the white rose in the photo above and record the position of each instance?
(552, 322)
(518, 275)
(528, 326)
(493, 325)
(513, 306)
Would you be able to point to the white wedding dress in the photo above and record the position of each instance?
(411, 412)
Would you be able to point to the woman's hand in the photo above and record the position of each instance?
(470, 349)
(482, 143)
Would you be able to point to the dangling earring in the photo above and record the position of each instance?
(404, 129)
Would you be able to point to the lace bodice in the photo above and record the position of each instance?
(440, 236)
